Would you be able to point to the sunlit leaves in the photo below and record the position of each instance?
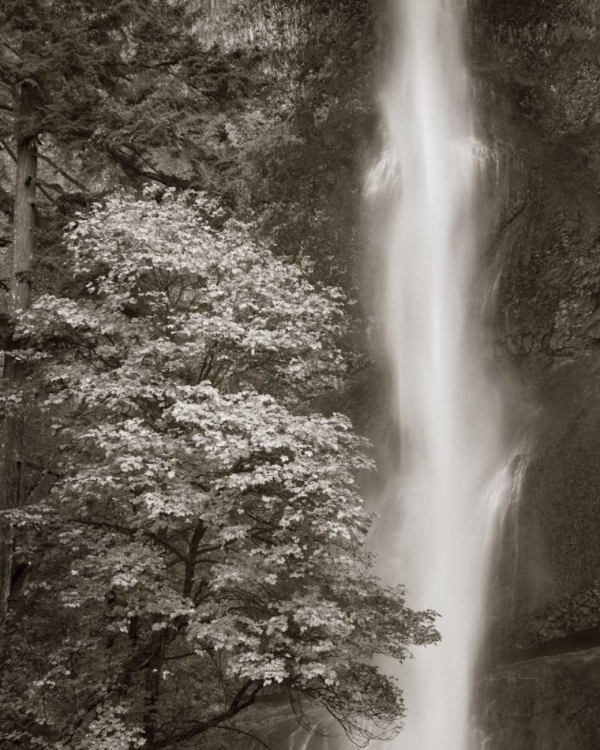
(203, 521)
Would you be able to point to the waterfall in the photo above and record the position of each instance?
(454, 475)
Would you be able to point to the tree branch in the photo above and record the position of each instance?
(6, 204)
(190, 565)
(43, 190)
(39, 467)
(246, 734)
(10, 48)
(8, 150)
(62, 172)
(205, 549)
(243, 699)
(130, 166)
(180, 556)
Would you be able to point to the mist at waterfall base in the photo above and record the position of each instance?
(453, 471)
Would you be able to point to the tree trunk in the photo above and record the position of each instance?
(19, 300)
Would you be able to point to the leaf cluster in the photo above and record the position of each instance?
(204, 537)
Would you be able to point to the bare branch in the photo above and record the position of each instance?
(243, 699)
(180, 556)
(62, 172)
(39, 467)
(10, 48)
(43, 188)
(6, 204)
(205, 549)
(8, 149)
(192, 559)
(175, 657)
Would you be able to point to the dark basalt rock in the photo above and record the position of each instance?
(537, 66)
(548, 703)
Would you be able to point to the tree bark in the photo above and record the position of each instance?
(19, 300)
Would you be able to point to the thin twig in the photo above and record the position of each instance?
(246, 734)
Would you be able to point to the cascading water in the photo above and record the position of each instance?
(454, 475)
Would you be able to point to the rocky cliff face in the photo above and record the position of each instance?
(538, 65)
(537, 68)
(544, 703)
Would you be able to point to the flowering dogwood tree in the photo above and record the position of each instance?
(204, 536)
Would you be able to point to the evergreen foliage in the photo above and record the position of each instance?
(125, 84)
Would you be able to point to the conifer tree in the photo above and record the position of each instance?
(116, 83)
(95, 93)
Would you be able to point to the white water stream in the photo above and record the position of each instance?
(453, 468)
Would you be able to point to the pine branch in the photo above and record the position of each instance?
(130, 165)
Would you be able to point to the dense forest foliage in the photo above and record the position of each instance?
(182, 550)
(182, 530)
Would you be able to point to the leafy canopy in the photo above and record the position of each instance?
(204, 534)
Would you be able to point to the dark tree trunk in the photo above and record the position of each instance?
(153, 677)
(20, 296)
